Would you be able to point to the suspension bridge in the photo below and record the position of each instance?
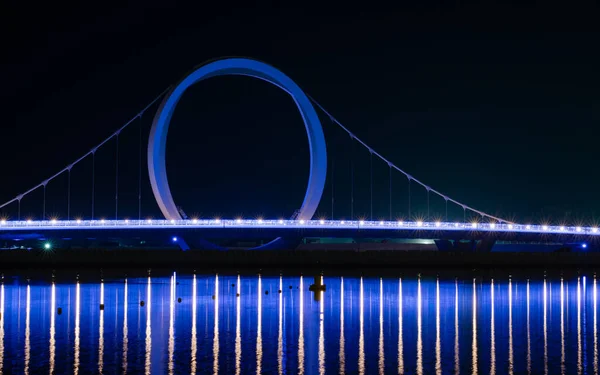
(480, 230)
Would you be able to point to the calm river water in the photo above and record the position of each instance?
(358, 325)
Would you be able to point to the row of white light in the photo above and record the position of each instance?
(499, 227)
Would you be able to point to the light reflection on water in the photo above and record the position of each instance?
(230, 324)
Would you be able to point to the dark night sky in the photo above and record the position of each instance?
(496, 105)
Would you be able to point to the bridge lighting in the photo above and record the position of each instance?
(456, 225)
(545, 227)
(438, 224)
(172, 221)
(492, 225)
(321, 222)
(381, 223)
(400, 222)
(510, 226)
(260, 221)
(584, 245)
(174, 239)
(53, 221)
(594, 230)
(47, 246)
(473, 225)
(578, 229)
(126, 221)
(280, 221)
(102, 221)
(419, 223)
(149, 221)
(2, 221)
(528, 227)
(196, 220)
(301, 221)
(28, 221)
(362, 222)
(217, 220)
(562, 228)
(342, 222)
(78, 221)
(237, 221)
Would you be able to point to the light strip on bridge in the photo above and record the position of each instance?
(296, 224)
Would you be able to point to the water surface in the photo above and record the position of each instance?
(358, 325)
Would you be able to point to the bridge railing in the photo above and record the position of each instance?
(299, 224)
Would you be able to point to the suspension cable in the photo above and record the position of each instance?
(140, 172)
(390, 169)
(89, 152)
(93, 181)
(399, 169)
(371, 186)
(117, 181)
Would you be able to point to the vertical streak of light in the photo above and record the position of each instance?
(438, 344)
(474, 342)
(194, 344)
(493, 333)
(595, 331)
(545, 329)
(27, 331)
(562, 328)
(419, 332)
(381, 349)
(456, 352)
(342, 354)
(321, 331)
(400, 341)
(238, 334)
(125, 330)
(259, 353)
(52, 329)
(280, 330)
(361, 337)
(147, 364)
(101, 332)
(77, 314)
(510, 330)
(216, 327)
(301, 330)
(579, 366)
(2, 328)
(528, 335)
(171, 346)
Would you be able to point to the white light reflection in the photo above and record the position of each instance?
(238, 333)
(510, 329)
(147, 364)
(301, 330)
(77, 315)
(101, 333)
(52, 328)
(259, 353)
(419, 333)
(27, 331)
(361, 337)
(216, 326)
(438, 345)
(528, 335)
(545, 329)
(595, 331)
(125, 330)
(562, 328)
(171, 346)
(400, 341)
(280, 329)
(456, 351)
(474, 342)
(579, 363)
(194, 344)
(1, 327)
(493, 333)
(342, 354)
(321, 331)
(381, 351)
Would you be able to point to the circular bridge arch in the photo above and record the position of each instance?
(245, 67)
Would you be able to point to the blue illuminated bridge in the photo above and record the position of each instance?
(472, 230)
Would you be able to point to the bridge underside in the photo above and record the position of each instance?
(308, 239)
